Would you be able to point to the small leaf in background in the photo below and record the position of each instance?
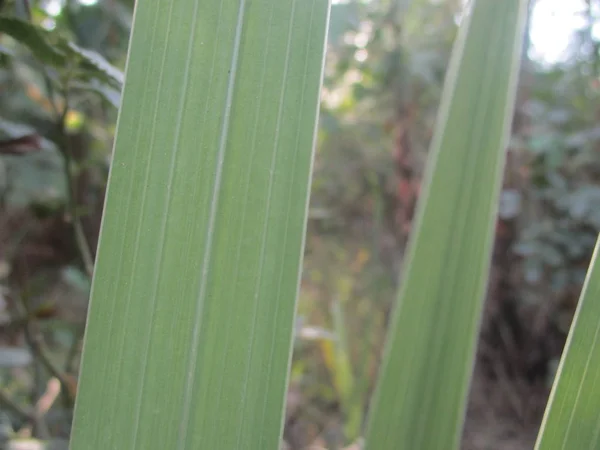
(76, 278)
(34, 38)
(95, 63)
(36, 444)
(533, 270)
(5, 269)
(14, 357)
(510, 204)
(35, 176)
(74, 120)
(54, 50)
(4, 313)
(108, 93)
(20, 145)
(6, 51)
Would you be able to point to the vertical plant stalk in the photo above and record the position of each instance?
(420, 398)
(65, 146)
(572, 416)
(80, 239)
(79, 235)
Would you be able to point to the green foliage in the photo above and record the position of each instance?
(34, 38)
(383, 80)
(559, 203)
(58, 52)
(55, 134)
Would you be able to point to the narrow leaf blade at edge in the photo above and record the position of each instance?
(572, 416)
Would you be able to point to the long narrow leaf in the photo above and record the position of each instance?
(193, 298)
(572, 418)
(421, 395)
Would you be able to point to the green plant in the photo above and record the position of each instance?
(194, 291)
(193, 299)
(571, 419)
(428, 362)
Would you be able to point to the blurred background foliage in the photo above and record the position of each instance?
(61, 64)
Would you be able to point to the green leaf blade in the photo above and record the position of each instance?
(194, 292)
(420, 399)
(572, 418)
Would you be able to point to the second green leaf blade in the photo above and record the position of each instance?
(421, 395)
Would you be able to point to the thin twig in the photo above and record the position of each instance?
(51, 93)
(38, 349)
(35, 343)
(45, 402)
(74, 350)
(27, 9)
(34, 417)
(22, 412)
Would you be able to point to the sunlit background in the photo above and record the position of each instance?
(553, 25)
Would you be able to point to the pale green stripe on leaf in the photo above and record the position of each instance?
(193, 297)
(421, 395)
(572, 418)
